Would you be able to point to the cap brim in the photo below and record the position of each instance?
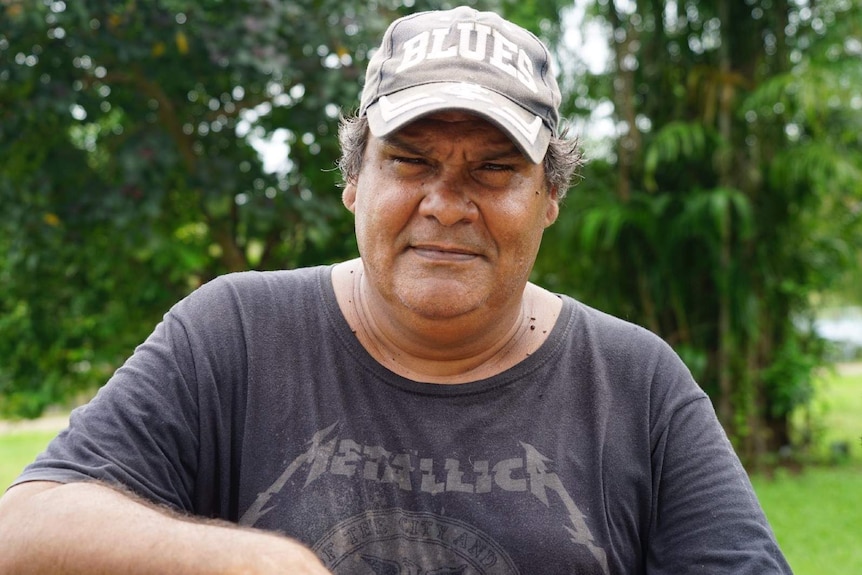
(525, 129)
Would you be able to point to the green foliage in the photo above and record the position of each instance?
(129, 172)
(731, 195)
(674, 143)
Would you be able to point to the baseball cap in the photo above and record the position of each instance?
(463, 59)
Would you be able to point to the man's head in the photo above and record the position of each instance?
(468, 61)
(452, 166)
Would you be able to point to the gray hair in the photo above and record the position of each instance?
(562, 160)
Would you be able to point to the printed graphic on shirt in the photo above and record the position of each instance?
(399, 542)
(526, 471)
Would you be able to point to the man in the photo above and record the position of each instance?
(424, 409)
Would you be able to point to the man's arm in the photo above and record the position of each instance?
(706, 513)
(90, 528)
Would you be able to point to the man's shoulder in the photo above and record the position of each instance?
(606, 325)
(255, 284)
(253, 279)
(630, 358)
(247, 291)
(617, 340)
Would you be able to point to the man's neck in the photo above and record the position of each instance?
(447, 351)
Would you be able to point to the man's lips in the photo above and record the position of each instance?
(444, 252)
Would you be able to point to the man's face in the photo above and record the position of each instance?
(449, 216)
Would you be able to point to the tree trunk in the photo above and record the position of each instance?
(625, 46)
(725, 331)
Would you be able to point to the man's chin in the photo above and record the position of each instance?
(441, 300)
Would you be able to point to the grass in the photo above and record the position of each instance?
(838, 407)
(816, 518)
(17, 449)
(814, 513)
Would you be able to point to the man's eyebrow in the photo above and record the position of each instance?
(393, 140)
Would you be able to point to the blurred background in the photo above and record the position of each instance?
(147, 147)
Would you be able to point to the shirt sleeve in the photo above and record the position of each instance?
(142, 431)
(706, 517)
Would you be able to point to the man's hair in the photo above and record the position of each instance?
(561, 163)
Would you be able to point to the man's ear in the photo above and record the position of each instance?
(552, 211)
(348, 196)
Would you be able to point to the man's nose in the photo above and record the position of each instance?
(447, 200)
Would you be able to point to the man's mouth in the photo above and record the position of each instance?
(444, 252)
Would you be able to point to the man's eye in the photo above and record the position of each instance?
(408, 160)
(497, 167)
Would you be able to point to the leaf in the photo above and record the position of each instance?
(182, 43)
(677, 142)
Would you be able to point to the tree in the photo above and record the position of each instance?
(129, 175)
(128, 168)
(732, 193)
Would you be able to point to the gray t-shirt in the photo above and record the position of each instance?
(254, 402)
